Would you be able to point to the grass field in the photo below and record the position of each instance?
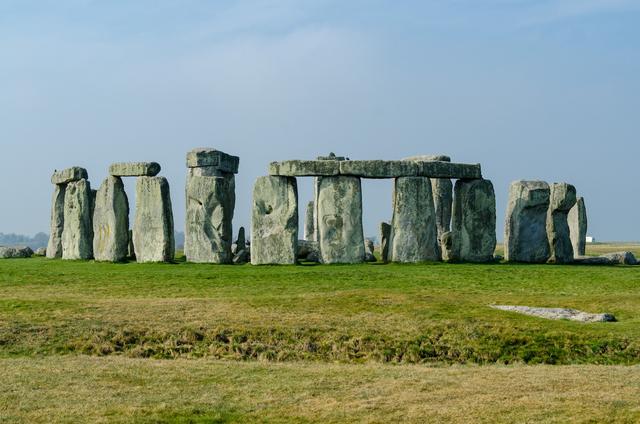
(85, 341)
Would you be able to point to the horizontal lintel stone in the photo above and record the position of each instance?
(211, 157)
(305, 168)
(68, 175)
(134, 169)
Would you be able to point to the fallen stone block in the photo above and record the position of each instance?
(557, 313)
(15, 252)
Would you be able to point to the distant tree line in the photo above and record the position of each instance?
(35, 242)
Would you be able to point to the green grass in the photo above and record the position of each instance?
(416, 314)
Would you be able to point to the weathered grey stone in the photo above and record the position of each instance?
(562, 199)
(274, 224)
(210, 207)
(447, 245)
(414, 236)
(207, 171)
(131, 251)
(369, 248)
(134, 169)
(304, 168)
(474, 221)
(340, 232)
(111, 221)
(241, 241)
(378, 168)
(15, 252)
(621, 258)
(242, 257)
(525, 238)
(385, 234)
(307, 248)
(77, 236)
(41, 251)
(309, 227)
(592, 260)
(68, 175)
(442, 189)
(332, 156)
(54, 248)
(578, 227)
(153, 236)
(205, 156)
(557, 313)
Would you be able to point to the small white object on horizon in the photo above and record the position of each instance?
(590, 239)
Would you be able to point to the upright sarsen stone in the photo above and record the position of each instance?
(414, 235)
(111, 221)
(341, 237)
(578, 227)
(210, 207)
(309, 222)
(385, 233)
(474, 221)
(77, 235)
(562, 199)
(54, 247)
(525, 238)
(153, 236)
(274, 221)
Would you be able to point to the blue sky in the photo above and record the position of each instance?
(531, 89)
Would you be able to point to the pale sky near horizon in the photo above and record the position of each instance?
(544, 90)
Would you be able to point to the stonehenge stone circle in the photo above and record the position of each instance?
(525, 238)
(385, 233)
(309, 219)
(274, 221)
(153, 236)
(210, 207)
(340, 232)
(134, 169)
(54, 248)
(77, 235)
(75, 173)
(562, 199)
(111, 222)
(474, 221)
(578, 227)
(442, 189)
(414, 235)
(217, 160)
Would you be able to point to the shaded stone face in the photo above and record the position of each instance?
(340, 232)
(77, 235)
(208, 157)
(54, 248)
(68, 175)
(385, 233)
(525, 224)
(414, 236)
(309, 222)
(578, 225)
(210, 207)
(153, 236)
(474, 221)
(111, 221)
(274, 221)
(562, 199)
(134, 169)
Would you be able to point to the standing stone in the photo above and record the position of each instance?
(153, 236)
(309, 227)
(578, 227)
(525, 238)
(54, 248)
(562, 199)
(131, 251)
(341, 236)
(316, 190)
(474, 221)
(442, 189)
(414, 235)
(274, 221)
(77, 236)
(111, 221)
(210, 206)
(241, 241)
(369, 251)
(385, 233)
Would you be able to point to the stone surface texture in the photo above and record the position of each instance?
(274, 223)
(474, 221)
(557, 313)
(134, 169)
(209, 157)
(309, 222)
(525, 236)
(340, 232)
(210, 208)
(111, 221)
(578, 227)
(54, 248)
(40, 251)
(562, 199)
(68, 175)
(153, 236)
(621, 258)
(385, 233)
(414, 235)
(15, 252)
(77, 235)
